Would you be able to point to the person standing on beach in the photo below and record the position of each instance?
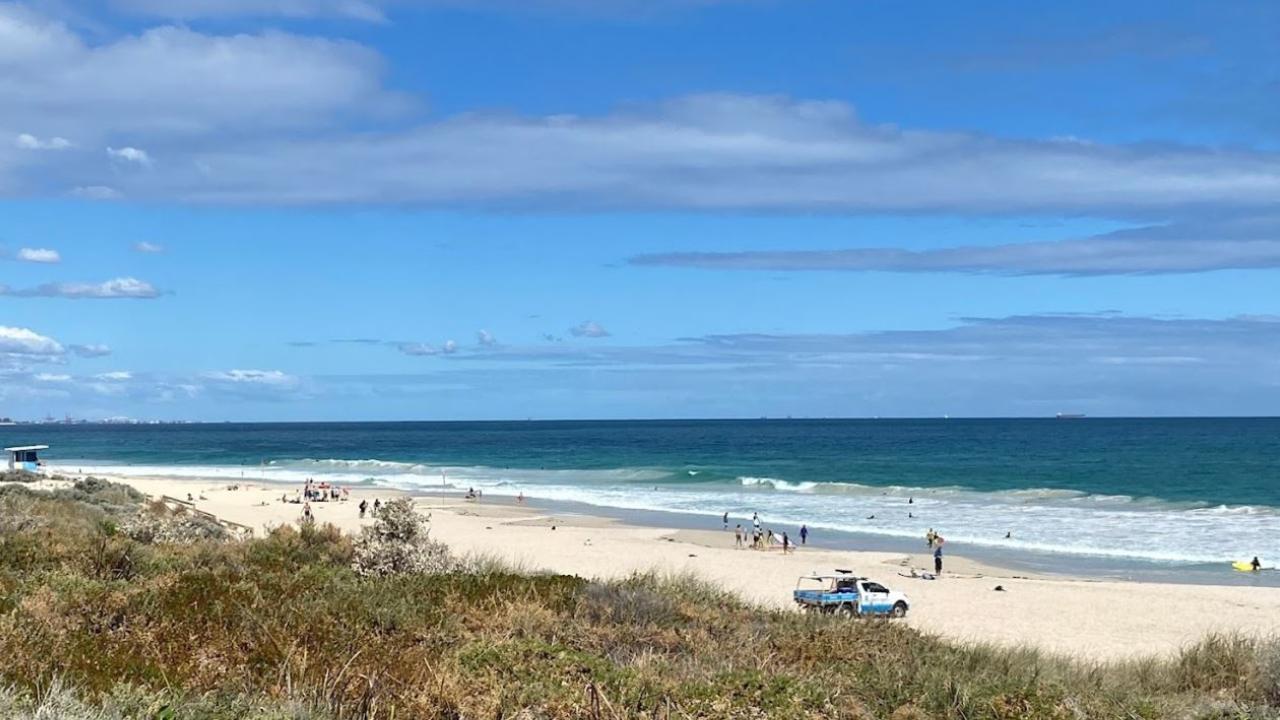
(726, 521)
(786, 544)
(930, 537)
(307, 517)
(364, 506)
(937, 558)
(737, 537)
(804, 534)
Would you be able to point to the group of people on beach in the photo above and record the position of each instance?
(764, 538)
(317, 492)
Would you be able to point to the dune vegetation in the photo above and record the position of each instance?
(113, 608)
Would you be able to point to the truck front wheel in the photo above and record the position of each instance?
(899, 610)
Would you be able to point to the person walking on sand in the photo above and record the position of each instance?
(804, 534)
(364, 506)
(726, 521)
(307, 517)
(737, 537)
(937, 558)
(786, 544)
(930, 537)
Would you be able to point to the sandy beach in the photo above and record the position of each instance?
(1097, 620)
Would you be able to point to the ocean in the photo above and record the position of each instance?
(1177, 492)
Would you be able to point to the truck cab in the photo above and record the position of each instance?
(850, 595)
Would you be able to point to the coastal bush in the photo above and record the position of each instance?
(299, 625)
(400, 543)
(158, 524)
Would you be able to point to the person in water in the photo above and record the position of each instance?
(1256, 564)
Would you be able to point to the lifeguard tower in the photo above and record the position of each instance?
(25, 457)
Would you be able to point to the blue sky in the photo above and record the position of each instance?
(424, 209)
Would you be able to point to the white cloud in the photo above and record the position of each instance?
(265, 378)
(589, 329)
(450, 347)
(119, 288)
(129, 154)
(116, 376)
(97, 192)
(364, 10)
(22, 341)
(27, 141)
(91, 351)
(1219, 244)
(39, 255)
(716, 153)
(418, 349)
(148, 248)
(486, 338)
(176, 82)
(52, 378)
(375, 10)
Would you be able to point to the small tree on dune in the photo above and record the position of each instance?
(400, 543)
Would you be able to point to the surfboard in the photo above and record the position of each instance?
(1242, 566)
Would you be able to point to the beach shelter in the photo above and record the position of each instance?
(24, 457)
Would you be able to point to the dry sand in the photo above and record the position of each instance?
(1093, 620)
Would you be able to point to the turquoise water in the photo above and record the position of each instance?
(1165, 490)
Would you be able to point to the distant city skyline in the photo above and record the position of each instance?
(431, 210)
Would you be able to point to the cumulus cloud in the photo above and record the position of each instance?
(589, 329)
(450, 347)
(486, 338)
(91, 351)
(52, 378)
(148, 248)
(129, 155)
(1236, 243)
(39, 255)
(27, 141)
(175, 83)
(23, 341)
(115, 376)
(118, 288)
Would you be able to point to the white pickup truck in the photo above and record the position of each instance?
(849, 595)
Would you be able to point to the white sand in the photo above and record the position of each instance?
(1094, 620)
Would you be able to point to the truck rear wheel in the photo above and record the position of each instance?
(848, 610)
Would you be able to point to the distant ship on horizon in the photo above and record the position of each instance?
(1070, 416)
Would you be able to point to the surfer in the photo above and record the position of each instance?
(1256, 564)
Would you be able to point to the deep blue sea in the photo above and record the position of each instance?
(1162, 490)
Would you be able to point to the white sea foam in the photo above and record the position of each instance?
(1048, 520)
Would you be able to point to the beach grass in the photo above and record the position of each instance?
(94, 624)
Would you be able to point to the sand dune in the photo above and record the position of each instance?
(1095, 620)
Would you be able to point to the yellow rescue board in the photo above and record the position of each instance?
(1242, 566)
